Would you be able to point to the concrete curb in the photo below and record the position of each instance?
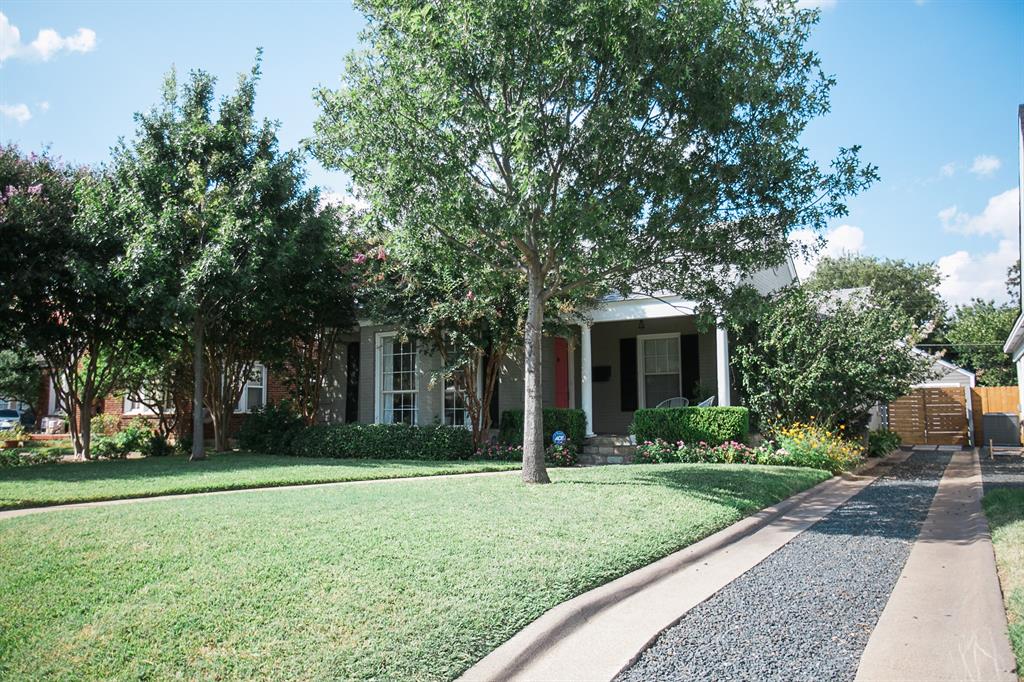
(945, 618)
(11, 513)
(600, 633)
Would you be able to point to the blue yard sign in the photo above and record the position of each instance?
(558, 437)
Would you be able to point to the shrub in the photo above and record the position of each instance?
(159, 447)
(882, 442)
(135, 437)
(800, 445)
(16, 457)
(572, 422)
(104, 425)
(383, 441)
(270, 429)
(711, 425)
(554, 455)
(816, 446)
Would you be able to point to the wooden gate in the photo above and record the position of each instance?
(931, 416)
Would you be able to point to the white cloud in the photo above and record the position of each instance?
(999, 218)
(947, 170)
(47, 44)
(44, 106)
(967, 275)
(17, 112)
(843, 240)
(985, 165)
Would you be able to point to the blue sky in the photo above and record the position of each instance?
(929, 89)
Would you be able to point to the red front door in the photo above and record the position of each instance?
(561, 373)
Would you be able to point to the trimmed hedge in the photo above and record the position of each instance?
(711, 425)
(572, 422)
(383, 441)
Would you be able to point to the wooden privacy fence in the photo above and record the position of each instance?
(985, 399)
(931, 416)
(938, 415)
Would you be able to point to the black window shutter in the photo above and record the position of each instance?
(689, 363)
(627, 373)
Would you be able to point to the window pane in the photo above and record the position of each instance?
(254, 396)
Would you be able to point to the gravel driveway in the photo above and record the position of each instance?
(1004, 470)
(805, 612)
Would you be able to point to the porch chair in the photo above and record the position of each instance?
(673, 402)
(710, 402)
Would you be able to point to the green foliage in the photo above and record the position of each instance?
(20, 375)
(554, 455)
(23, 457)
(570, 421)
(813, 356)
(911, 287)
(882, 442)
(104, 424)
(709, 425)
(588, 145)
(977, 332)
(158, 446)
(271, 428)
(383, 441)
(136, 436)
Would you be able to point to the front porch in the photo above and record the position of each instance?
(638, 352)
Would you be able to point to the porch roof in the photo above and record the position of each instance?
(617, 309)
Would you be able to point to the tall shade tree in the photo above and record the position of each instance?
(217, 199)
(976, 334)
(67, 298)
(810, 355)
(914, 287)
(590, 144)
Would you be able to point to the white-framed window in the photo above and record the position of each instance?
(455, 411)
(134, 406)
(254, 392)
(396, 380)
(659, 377)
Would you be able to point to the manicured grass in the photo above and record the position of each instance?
(57, 483)
(408, 580)
(1005, 510)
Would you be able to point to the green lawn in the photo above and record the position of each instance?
(1005, 510)
(408, 580)
(57, 483)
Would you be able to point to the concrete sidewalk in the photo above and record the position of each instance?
(598, 634)
(945, 619)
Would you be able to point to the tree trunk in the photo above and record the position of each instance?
(533, 412)
(85, 427)
(221, 419)
(198, 451)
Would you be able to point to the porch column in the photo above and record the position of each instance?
(586, 380)
(722, 363)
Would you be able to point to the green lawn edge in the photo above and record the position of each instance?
(1004, 508)
(347, 471)
(418, 580)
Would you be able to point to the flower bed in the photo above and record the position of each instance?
(800, 445)
(554, 455)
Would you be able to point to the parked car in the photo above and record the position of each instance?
(10, 418)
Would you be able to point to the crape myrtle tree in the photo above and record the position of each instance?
(590, 144)
(161, 382)
(66, 281)
(814, 356)
(217, 200)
